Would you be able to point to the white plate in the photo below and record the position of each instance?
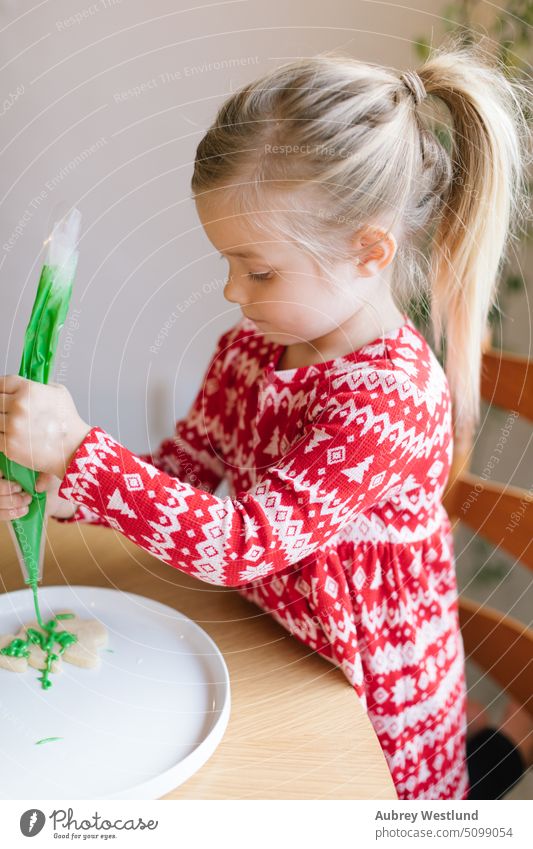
(135, 728)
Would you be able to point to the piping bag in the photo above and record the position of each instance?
(40, 343)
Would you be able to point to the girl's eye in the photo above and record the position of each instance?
(264, 276)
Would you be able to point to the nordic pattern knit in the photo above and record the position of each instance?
(334, 523)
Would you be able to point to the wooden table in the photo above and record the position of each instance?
(296, 729)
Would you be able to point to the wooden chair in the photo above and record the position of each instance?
(500, 644)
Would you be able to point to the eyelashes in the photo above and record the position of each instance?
(264, 276)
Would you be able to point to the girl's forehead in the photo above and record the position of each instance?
(233, 236)
(233, 233)
(225, 221)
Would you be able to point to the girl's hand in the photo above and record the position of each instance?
(40, 427)
(55, 506)
(14, 501)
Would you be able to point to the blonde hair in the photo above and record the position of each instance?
(322, 146)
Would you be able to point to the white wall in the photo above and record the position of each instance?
(74, 133)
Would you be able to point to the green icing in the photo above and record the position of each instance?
(47, 318)
(40, 343)
(36, 604)
(47, 740)
(21, 648)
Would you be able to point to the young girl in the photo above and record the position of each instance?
(324, 407)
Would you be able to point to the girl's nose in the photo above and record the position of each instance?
(234, 292)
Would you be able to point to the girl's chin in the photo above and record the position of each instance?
(267, 329)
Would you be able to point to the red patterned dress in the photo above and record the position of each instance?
(334, 523)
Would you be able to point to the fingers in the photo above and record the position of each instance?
(8, 486)
(9, 383)
(14, 501)
(45, 482)
(14, 506)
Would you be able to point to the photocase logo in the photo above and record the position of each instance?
(32, 822)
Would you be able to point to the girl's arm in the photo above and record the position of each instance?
(191, 454)
(357, 452)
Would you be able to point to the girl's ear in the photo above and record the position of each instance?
(375, 249)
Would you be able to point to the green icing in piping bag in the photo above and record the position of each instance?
(40, 344)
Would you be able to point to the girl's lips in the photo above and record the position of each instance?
(257, 321)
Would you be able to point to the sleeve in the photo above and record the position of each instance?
(348, 458)
(192, 453)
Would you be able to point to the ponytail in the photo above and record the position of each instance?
(484, 204)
